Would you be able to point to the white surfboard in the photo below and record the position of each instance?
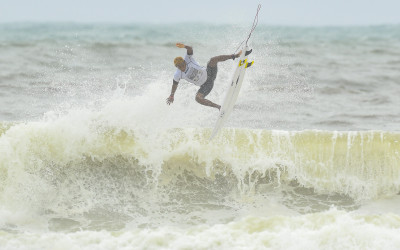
(233, 91)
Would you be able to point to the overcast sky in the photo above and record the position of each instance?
(274, 12)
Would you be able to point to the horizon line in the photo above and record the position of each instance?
(194, 23)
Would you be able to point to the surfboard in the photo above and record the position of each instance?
(233, 90)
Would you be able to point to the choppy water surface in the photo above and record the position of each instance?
(91, 157)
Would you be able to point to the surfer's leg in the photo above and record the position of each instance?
(204, 90)
(200, 99)
(216, 59)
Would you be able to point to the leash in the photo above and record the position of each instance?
(253, 27)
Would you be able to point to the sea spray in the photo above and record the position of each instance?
(362, 165)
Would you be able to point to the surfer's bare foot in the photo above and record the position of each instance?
(218, 107)
(233, 56)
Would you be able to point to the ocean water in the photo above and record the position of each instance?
(91, 157)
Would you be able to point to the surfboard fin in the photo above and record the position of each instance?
(248, 52)
(248, 65)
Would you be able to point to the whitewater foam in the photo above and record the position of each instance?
(360, 165)
(329, 230)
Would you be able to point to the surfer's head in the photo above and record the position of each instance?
(180, 63)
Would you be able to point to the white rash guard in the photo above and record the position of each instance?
(194, 73)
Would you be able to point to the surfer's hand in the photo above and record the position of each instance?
(170, 99)
(180, 45)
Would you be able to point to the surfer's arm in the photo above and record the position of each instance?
(170, 99)
(188, 48)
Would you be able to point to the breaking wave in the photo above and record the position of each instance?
(359, 164)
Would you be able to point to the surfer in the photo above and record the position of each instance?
(191, 71)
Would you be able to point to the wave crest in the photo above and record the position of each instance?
(361, 164)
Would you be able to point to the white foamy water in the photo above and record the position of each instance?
(91, 157)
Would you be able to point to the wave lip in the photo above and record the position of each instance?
(360, 164)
